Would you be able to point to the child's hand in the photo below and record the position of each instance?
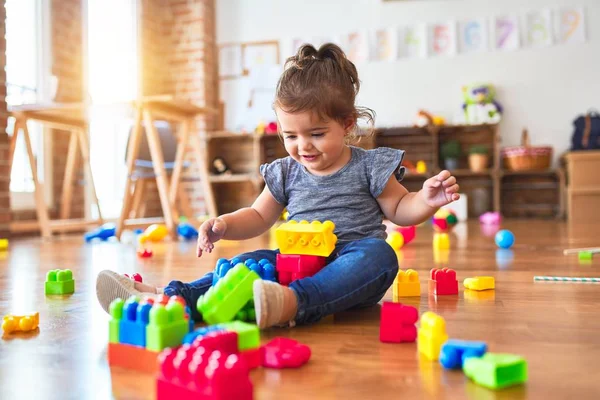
(210, 232)
(440, 190)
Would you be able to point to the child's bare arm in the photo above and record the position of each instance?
(244, 223)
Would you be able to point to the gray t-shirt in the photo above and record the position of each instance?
(346, 197)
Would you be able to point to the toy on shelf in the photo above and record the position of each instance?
(315, 238)
(398, 323)
(441, 241)
(480, 283)
(271, 128)
(455, 352)
(220, 167)
(406, 284)
(490, 218)
(432, 335)
(3, 244)
(424, 119)
(421, 167)
(291, 267)
(505, 239)
(187, 231)
(135, 277)
(20, 323)
(443, 282)
(103, 233)
(479, 105)
(444, 220)
(144, 253)
(60, 281)
(285, 353)
(154, 233)
(496, 371)
(401, 236)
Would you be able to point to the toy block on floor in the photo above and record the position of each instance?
(264, 269)
(134, 321)
(196, 373)
(441, 241)
(496, 371)
(398, 323)
(3, 244)
(116, 314)
(20, 323)
(314, 239)
(443, 282)
(167, 326)
(455, 352)
(406, 284)
(60, 281)
(291, 267)
(247, 314)
(432, 335)
(480, 283)
(132, 357)
(222, 302)
(189, 338)
(285, 353)
(224, 341)
(248, 334)
(585, 255)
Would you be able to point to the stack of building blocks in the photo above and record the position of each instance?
(304, 248)
(284, 353)
(496, 371)
(443, 282)
(20, 323)
(60, 281)
(480, 283)
(454, 353)
(406, 284)
(398, 323)
(432, 335)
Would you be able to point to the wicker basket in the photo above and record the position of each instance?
(526, 157)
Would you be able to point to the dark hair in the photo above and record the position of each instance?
(324, 81)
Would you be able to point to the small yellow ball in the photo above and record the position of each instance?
(396, 240)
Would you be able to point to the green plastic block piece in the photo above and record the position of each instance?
(248, 334)
(222, 302)
(116, 313)
(585, 255)
(167, 326)
(496, 371)
(247, 314)
(60, 281)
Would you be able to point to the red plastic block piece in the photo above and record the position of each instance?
(197, 373)
(224, 341)
(132, 357)
(398, 323)
(443, 282)
(291, 267)
(144, 253)
(136, 277)
(284, 353)
(253, 357)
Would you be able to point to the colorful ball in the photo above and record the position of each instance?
(444, 220)
(505, 239)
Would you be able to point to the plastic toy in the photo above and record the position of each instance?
(132, 326)
(490, 218)
(496, 371)
(103, 233)
(253, 357)
(444, 220)
(220, 167)
(395, 240)
(248, 313)
(398, 323)
(187, 231)
(3, 244)
(291, 267)
(154, 233)
(224, 341)
(565, 279)
(284, 353)
(136, 277)
(421, 167)
(505, 239)
(60, 281)
(406, 284)
(443, 282)
(455, 352)
(424, 119)
(200, 332)
(248, 334)
(20, 323)
(585, 255)
(401, 236)
(196, 373)
(263, 268)
(313, 239)
(144, 253)
(432, 335)
(479, 283)
(441, 241)
(480, 107)
(132, 357)
(167, 326)
(222, 302)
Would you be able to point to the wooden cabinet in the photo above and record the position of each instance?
(583, 191)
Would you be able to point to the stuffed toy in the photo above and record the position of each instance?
(480, 107)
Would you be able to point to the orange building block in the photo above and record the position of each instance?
(133, 357)
(406, 284)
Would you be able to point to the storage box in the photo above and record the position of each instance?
(583, 168)
(584, 205)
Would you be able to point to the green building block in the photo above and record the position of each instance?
(585, 255)
(116, 313)
(247, 314)
(222, 302)
(167, 326)
(496, 371)
(60, 281)
(248, 334)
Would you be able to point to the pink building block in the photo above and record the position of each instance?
(443, 282)
(291, 267)
(224, 341)
(253, 357)
(284, 353)
(398, 323)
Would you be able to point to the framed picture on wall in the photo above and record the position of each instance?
(236, 60)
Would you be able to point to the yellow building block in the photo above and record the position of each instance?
(441, 241)
(3, 244)
(313, 239)
(432, 335)
(20, 323)
(406, 284)
(480, 283)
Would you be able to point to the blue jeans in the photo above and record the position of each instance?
(357, 275)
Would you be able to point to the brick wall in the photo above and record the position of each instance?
(4, 142)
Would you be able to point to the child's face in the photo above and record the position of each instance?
(318, 145)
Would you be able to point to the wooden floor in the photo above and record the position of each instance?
(555, 326)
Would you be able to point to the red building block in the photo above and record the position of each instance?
(443, 282)
(197, 373)
(224, 341)
(398, 323)
(253, 357)
(291, 267)
(284, 353)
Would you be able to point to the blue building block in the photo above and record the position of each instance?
(455, 352)
(187, 231)
(191, 337)
(132, 328)
(103, 233)
(263, 268)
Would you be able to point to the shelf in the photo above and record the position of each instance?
(542, 172)
(468, 172)
(233, 178)
(409, 175)
(228, 135)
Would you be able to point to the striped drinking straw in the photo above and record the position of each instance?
(564, 279)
